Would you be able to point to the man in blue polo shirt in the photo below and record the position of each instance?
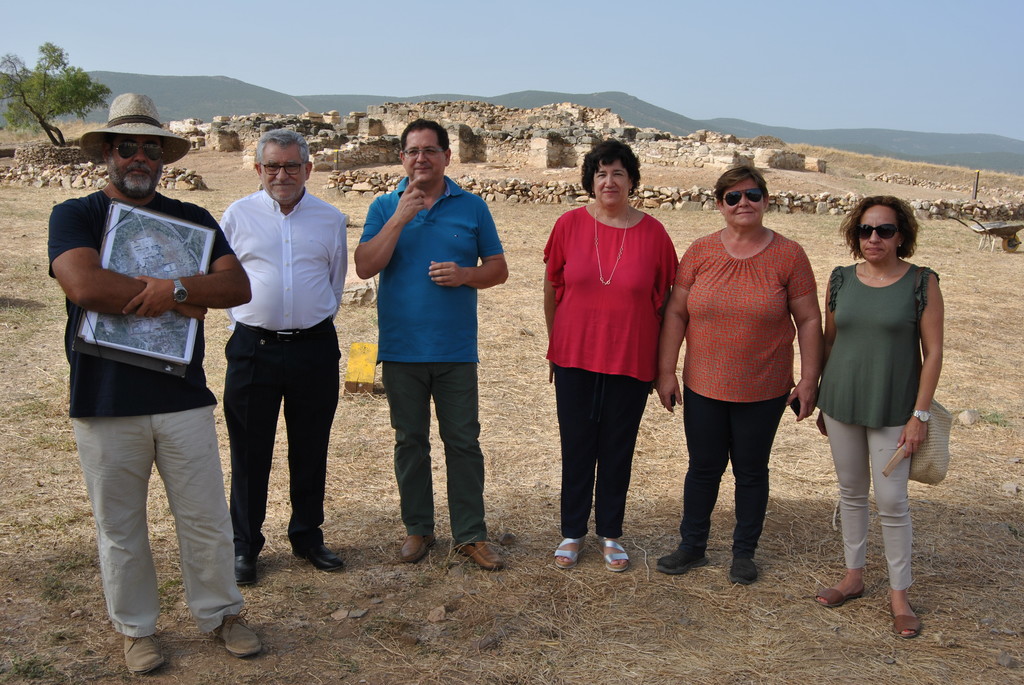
(434, 245)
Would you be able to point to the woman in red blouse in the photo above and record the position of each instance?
(737, 296)
(609, 271)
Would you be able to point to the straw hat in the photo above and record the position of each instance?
(134, 114)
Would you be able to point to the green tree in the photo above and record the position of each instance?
(35, 97)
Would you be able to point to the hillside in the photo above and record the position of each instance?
(203, 97)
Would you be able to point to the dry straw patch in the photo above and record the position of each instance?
(530, 623)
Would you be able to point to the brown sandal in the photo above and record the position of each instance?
(836, 598)
(906, 626)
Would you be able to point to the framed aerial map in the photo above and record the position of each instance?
(141, 242)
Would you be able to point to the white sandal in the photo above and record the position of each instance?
(614, 556)
(572, 555)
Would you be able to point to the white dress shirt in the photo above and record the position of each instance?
(296, 262)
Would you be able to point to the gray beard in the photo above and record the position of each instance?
(133, 186)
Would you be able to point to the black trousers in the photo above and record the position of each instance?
(717, 433)
(264, 370)
(598, 419)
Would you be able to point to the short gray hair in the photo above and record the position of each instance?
(283, 137)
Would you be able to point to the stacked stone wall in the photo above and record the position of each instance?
(367, 183)
(88, 175)
(45, 154)
(903, 179)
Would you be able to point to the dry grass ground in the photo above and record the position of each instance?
(531, 623)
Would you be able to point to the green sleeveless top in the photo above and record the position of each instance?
(874, 366)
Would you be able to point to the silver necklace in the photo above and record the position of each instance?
(883, 277)
(597, 249)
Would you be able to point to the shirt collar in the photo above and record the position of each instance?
(273, 204)
(450, 187)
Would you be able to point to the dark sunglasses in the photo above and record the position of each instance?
(733, 198)
(127, 149)
(885, 231)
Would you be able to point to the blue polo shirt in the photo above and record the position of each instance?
(420, 321)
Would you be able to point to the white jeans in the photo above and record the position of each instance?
(117, 456)
(860, 454)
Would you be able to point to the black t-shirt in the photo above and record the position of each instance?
(102, 387)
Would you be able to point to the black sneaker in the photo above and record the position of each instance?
(743, 571)
(680, 562)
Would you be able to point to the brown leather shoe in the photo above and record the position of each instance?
(483, 555)
(415, 548)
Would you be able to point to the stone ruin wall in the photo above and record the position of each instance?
(552, 136)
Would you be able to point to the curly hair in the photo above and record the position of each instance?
(609, 152)
(905, 222)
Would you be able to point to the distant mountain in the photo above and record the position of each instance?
(203, 97)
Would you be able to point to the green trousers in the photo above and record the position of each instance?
(453, 387)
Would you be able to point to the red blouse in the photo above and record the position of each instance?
(611, 328)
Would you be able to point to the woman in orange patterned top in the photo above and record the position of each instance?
(740, 297)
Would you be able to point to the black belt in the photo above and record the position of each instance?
(318, 331)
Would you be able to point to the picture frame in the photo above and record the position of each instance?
(143, 242)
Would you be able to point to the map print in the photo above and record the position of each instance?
(142, 243)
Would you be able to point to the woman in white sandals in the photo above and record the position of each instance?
(609, 271)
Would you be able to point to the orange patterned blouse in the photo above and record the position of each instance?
(739, 338)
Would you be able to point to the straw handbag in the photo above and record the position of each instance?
(931, 460)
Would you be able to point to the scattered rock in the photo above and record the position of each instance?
(969, 417)
(1010, 489)
(437, 614)
(507, 539)
(1007, 661)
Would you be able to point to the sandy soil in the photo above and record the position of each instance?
(444, 621)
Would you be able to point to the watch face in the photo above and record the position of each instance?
(179, 291)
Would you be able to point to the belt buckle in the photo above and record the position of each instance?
(285, 336)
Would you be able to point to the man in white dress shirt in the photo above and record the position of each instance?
(284, 347)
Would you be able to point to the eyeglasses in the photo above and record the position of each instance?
(885, 231)
(128, 148)
(428, 151)
(732, 198)
(291, 167)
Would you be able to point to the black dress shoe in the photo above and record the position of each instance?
(322, 558)
(245, 570)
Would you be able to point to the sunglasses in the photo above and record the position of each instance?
(885, 231)
(733, 198)
(127, 149)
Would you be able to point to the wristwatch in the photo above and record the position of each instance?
(180, 294)
(922, 415)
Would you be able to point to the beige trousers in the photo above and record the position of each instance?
(117, 456)
(860, 454)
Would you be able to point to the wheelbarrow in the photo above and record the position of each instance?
(992, 230)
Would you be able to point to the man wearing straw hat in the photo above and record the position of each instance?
(128, 418)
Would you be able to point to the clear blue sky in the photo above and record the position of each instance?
(942, 66)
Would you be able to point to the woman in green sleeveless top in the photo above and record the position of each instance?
(883, 351)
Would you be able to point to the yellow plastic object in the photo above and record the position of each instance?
(362, 364)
